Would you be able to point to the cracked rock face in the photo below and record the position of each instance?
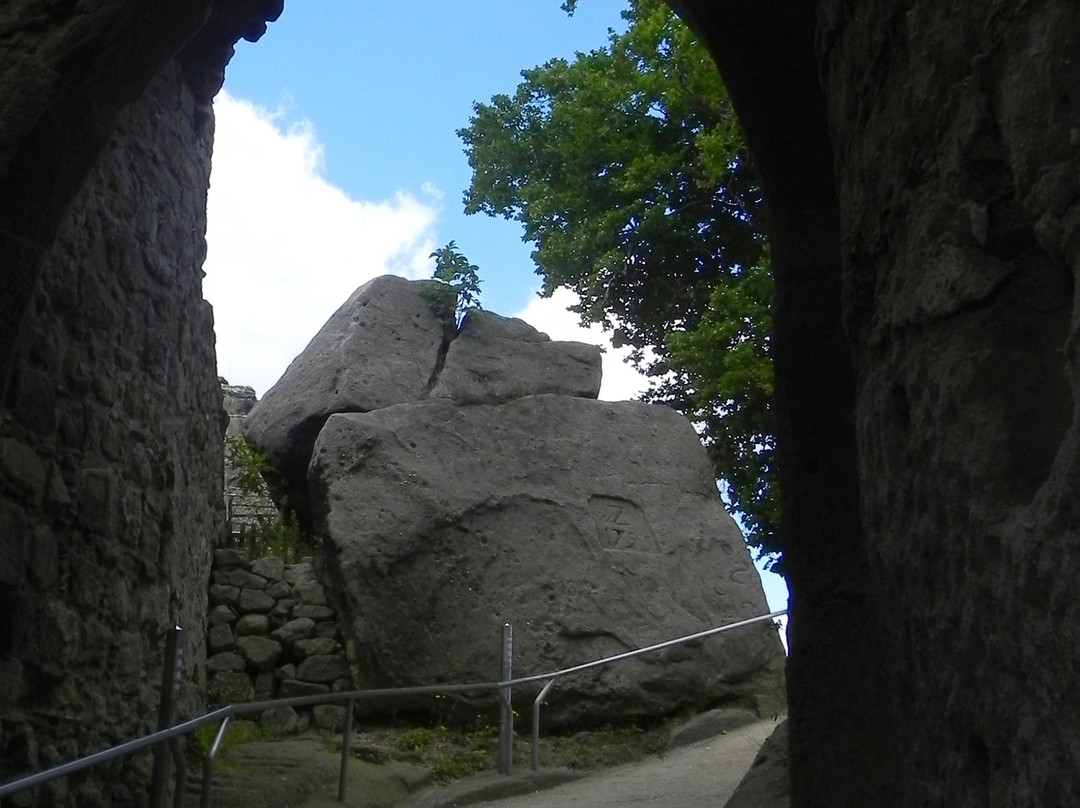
(385, 346)
(593, 527)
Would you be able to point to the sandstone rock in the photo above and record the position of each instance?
(255, 600)
(260, 653)
(227, 558)
(264, 686)
(220, 638)
(328, 717)
(298, 572)
(495, 359)
(768, 783)
(341, 685)
(593, 527)
(313, 647)
(220, 614)
(286, 671)
(280, 720)
(312, 612)
(378, 349)
(229, 687)
(279, 590)
(299, 629)
(224, 595)
(271, 568)
(293, 687)
(310, 592)
(225, 661)
(239, 578)
(323, 668)
(249, 624)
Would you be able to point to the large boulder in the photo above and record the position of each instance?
(593, 527)
(495, 359)
(379, 348)
(385, 346)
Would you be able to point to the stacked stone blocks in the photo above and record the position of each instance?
(271, 634)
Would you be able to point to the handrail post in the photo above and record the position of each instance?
(536, 723)
(506, 706)
(346, 741)
(208, 764)
(170, 683)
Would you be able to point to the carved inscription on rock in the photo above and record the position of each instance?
(621, 526)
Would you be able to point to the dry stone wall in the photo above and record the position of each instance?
(271, 634)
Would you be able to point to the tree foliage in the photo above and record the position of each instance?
(628, 172)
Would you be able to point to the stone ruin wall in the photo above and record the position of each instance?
(271, 635)
(110, 457)
(245, 511)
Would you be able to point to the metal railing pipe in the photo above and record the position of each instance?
(527, 680)
(536, 724)
(346, 743)
(208, 764)
(113, 752)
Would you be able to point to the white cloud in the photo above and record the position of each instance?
(621, 381)
(286, 247)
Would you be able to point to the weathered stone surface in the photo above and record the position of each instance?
(279, 591)
(316, 645)
(293, 687)
(271, 568)
(378, 349)
(300, 571)
(328, 717)
(312, 612)
(249, 624)
(280, 720)
(310, 592)
(225, 661)
(260, 653)
(242, 579)
(496, 359)
(228, 558)
(229, 687)
(264, 686)
(254, 600)
(222, 595)
(220, 614)
(593, 527)
(299, 629)
(220, 638)
(323, 668)
(768, 783)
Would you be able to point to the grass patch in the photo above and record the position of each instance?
(238, 732)
(453, 753)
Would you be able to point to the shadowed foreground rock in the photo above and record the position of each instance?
(593, 527)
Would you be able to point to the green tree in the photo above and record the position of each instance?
(627, 170)
(460, 284)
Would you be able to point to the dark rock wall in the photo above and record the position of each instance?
(110, 453)
(926, 368)
(959, 180)
(111, 422)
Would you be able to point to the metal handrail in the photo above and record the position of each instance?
(549, 678)
(224, 714)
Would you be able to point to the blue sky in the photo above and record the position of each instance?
(336, 160)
